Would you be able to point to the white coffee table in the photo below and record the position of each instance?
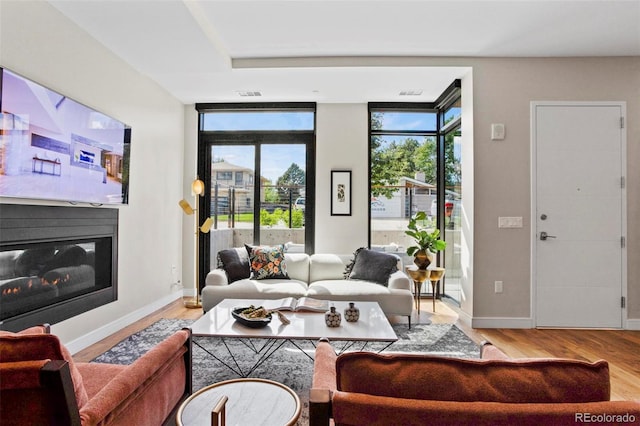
(373, 326)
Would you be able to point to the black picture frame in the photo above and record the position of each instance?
(340, 192)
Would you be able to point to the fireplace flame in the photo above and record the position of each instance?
(7, 291)
(58, 280)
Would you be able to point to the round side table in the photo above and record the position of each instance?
(248, 402)
(435, 275)
(418, 276)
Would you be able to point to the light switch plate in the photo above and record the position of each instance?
(497, 132)
(510, 222)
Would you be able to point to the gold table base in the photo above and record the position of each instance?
(421, 275)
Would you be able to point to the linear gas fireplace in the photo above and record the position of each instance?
(55, 262)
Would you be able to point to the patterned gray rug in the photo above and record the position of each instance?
(287, 365)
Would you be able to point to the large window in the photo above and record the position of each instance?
(415, 166)
(259, 162)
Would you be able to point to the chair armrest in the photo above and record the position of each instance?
(323, 384)
(324, 366)
(132, 382)
(216, 277)
(399, 281)
(319, 407)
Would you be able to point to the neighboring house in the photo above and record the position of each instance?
(411, 195)
(226, 177)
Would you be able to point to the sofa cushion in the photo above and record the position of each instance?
(267, 262)
(253, 289)
(374, 266)
(235, 263)
(464, 380)
(33, 345)
(325, 266)
(297, 266)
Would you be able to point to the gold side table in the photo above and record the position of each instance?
(435, 275)
(418, 276)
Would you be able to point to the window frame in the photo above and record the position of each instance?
(257, 138)
(440, 106)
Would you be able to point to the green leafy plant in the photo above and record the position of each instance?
(425, 240)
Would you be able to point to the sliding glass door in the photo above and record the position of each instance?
(260, 162)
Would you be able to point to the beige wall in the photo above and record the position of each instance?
(503, 90)
(41, 44)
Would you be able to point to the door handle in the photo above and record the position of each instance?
(544, 236)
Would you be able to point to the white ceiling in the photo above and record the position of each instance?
(209, 50)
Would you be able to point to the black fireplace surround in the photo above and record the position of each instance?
(55, 262)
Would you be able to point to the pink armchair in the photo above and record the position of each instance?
(41, 384)
(409, 389)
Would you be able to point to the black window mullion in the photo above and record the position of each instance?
(257, 186)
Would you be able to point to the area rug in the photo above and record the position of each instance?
(288, 365)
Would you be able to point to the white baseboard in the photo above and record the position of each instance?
(502, 322)
(633, 324)
(108, 329)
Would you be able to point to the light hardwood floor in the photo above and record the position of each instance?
(620, 348)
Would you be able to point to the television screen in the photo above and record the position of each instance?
(54, 148)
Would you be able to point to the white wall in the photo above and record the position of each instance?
(43, 45)
(341, 144)
(468, 191)
(190, 164)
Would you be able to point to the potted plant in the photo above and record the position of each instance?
(427, 243)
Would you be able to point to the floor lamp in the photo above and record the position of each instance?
(197, 187)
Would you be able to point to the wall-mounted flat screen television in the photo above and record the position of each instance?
(54, 148)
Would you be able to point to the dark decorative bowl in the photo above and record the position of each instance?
(250, 322)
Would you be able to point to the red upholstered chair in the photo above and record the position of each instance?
(363, 388)
(41, 384)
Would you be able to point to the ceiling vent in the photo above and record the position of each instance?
(249, 93)
(414, 92)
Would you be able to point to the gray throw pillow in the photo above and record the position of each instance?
(374, 266)
(235, 263)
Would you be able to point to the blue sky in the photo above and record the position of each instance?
(276, 159)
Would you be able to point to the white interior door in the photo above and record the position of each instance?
(579, 202)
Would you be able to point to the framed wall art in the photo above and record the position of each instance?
(340, 192)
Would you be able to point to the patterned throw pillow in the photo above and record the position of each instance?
(267, 262)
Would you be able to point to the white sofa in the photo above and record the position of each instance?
(320, 276)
